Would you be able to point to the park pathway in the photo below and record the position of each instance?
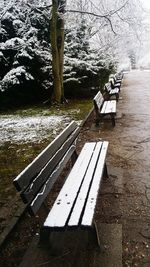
(129, 157)
(134, 144)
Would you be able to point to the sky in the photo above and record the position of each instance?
(146, 3)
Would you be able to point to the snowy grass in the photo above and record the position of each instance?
(14, 128)
(25, 132)
(32, 125)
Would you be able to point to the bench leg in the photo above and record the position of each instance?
(52, 240)
(93, 241)
(74, 157)
(117, 97)
(97, 121)
(96, 233)
(97, 118)
(44, 237)
(105, 173)
(113, 119)
(83, 238)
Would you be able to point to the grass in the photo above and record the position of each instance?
(76, 109)
(14, 157)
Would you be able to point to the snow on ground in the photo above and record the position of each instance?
(19, 129)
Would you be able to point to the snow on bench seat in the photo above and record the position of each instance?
(111, 92)
(109, 107)
(104, 107)
(76, 201)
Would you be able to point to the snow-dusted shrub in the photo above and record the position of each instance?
(25, 50)
(3, 35)
(13, 44)
(83, 66)
(15, 77)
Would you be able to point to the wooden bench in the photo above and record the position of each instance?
(119, 75)
(75, 205)
(37, 179)
(116, 80)
(114, 83)
(111, 92)
(104, 107)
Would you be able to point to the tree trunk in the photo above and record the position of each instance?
(57, 45)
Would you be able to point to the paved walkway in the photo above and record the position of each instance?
(123, 210)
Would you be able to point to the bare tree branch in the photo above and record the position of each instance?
(93, 14)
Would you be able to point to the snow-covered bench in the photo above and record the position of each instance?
(37, 179)
(104, 107)
(111, 92)
(75, 205)
(115, 81)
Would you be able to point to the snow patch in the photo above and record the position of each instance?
(13, 43)
(17, 129)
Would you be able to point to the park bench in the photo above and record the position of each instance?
(36, 180)
(116, 80)
(75, 205)
(119, 76)
(109, 92)
(104, 107)
(115, 83)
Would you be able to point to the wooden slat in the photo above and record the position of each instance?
(115, 83)
(107, 87)
(26, 176)
(80, 202)
(98, 100)
(42, 194)
(114, 91)
(109, 107)
(41, 178)
(103, 110)
(65, 200)
(117, 80)
(91, 202)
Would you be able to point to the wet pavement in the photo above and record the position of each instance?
(129, 150)
(123, 208)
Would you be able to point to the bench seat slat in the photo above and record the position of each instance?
(80, 202)
(91, 202)
(114, 91)
(117, 84)
(109, 107)
(68, 193)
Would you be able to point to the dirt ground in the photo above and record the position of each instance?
(123, 208)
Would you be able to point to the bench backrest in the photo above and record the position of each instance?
(112, 82)
(107, 87)
(118, 76)
(36, 180)
(98, 101)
